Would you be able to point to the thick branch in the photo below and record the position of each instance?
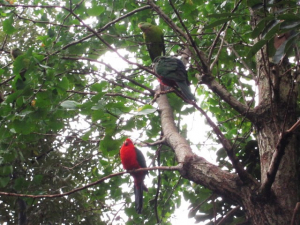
(196, 168)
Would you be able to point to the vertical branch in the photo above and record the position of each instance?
(220, 48)
(158, 185)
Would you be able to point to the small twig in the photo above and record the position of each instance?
(4, 42)
(78, 164)
(117, 72)
(192, 212)
(242, 61)
(243, 174)
(294, 127)
(159, 142)
(64, 20)
(6, 81)
(125, 96)
(219, 33)
(220, 48)
(228, 215)
(169, 168)
(158, 185)
(296, 210)
(41, 155)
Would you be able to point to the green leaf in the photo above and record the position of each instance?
(260, 27)
(108, 146)
(256, 48)
(38, 179)
(20, 183)
(288, 25)
(219, 22)
(145, 110)
(7, 170)
(63, 85)
(69, 104)
(4, 181)
(271, 29)
(1, 71)
(99, 87)
(23, 126)
(96, 10)
(8, 27)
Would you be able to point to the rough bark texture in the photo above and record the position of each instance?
(277, 107)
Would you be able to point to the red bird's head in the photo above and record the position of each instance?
(127, 142)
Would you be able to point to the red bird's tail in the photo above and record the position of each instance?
(138, 192)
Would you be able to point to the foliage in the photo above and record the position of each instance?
(62, 127)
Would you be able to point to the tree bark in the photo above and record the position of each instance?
(270, 209)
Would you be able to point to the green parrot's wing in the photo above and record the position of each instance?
(170, 68)
(172, 71)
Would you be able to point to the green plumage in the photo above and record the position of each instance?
(172, 72)
(154, 39)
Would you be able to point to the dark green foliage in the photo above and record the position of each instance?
(61, 128)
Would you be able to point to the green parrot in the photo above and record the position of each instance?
(15, 53)
(172, 72)
(154, 39)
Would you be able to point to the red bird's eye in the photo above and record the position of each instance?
(127, 142)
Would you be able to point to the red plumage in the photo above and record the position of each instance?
(132, 158)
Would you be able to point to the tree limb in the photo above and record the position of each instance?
(169, 168)
(195, 168)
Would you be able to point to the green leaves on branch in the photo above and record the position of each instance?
(8, 27)
(279, 32)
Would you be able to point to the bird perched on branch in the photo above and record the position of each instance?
(154, 39)
(132, 158)
(172, 72)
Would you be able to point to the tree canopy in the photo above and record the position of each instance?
(83, 82)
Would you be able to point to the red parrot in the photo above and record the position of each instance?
(132, 159)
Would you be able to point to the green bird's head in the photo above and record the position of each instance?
(144, 26)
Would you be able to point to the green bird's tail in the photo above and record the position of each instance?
(185, 89)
